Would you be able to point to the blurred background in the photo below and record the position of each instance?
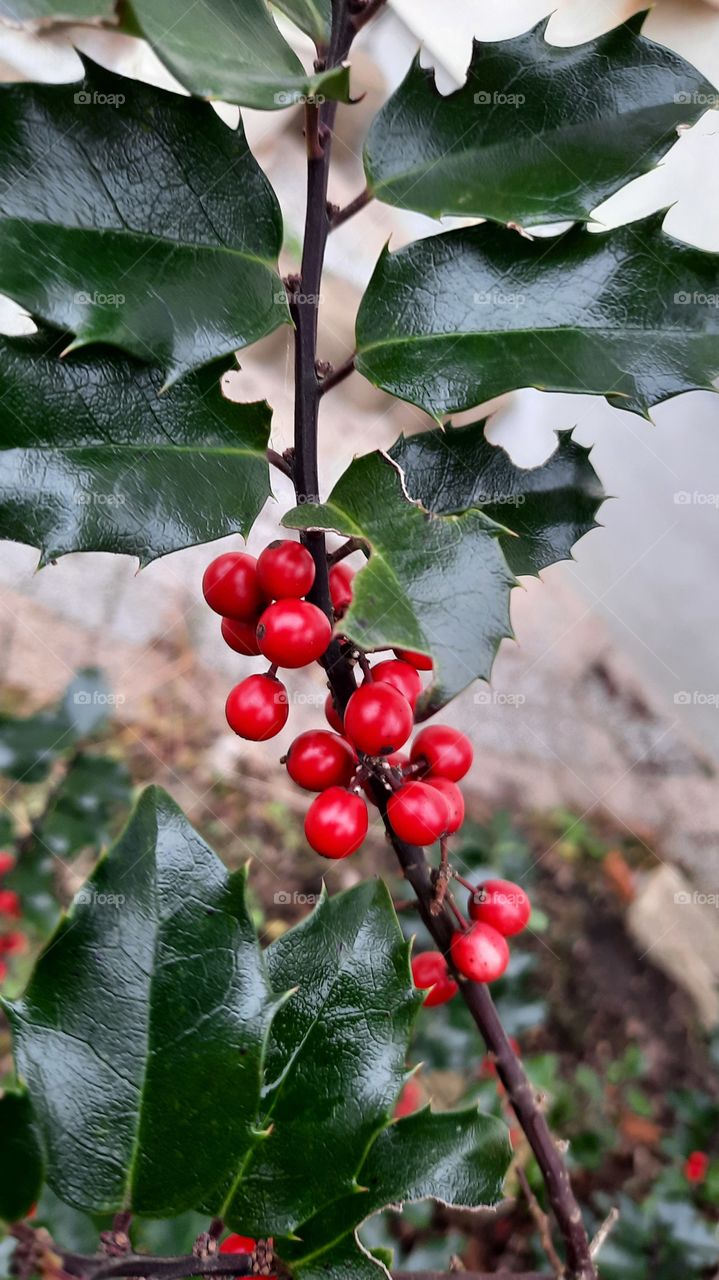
(596, 743)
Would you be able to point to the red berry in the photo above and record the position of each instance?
(10, 904)
(429, 970)
(7, 862)
(481, 953)
(336, 822)
(238, 1244)
(410, 1099)
(421, 661)
(13, 944)
(402, 676)
(257, 708)
(319, 759)
(502, 904)
(341, 588)
(417, 813)
(230, 586)
(455, 802)
(241, 636)
(446, 752)
(696, 1166)
(4, 971)
(285, 569)
(332, 715)
(378, 719)
(293, 633)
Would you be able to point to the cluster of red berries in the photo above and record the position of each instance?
(263, 611)
(12, 942)
(498, 909)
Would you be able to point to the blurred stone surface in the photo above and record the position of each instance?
(677, 927)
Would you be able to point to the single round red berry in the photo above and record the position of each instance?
(336, 822)
(238, 1244)
(378, 719)
(257, 708)
(481, 953)
(445, 752)
(341, 588)
(10, 904)
(455, 802)
(7, 862)
(285, 569)
(696, 1166)
(421, 661)
(429, 970)
(319, 759)
(230, 586)
(417, 813)
(502, 904)
(13, 944)
(293, 633)
(332, 715)
(401, 675)
(241, 636)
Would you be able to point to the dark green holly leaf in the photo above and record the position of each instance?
(30, 744)
(631, 314)
(48, 11)
(312, 16)
(341, 1041)
(538, 133)
(21, 1171)
(95, 792)
(141, 1033)
(105, 235)
(235, 52)
(94, 458)
(457, 1157)
(548, 508)
(439, 584)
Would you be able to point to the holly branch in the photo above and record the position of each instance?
(309, 387)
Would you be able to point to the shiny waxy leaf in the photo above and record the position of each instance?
(141, 1033)
(453, 320)
(21, 1170)
(439, 584)
(48, 11)
(547, 508)
(341, 1041)
(312, 16)
(29, 745)
(135, 217)
(234, 51)
(538, 133)
(94, 458)
(457, 1157)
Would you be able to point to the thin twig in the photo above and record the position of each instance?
(604, 1231)
(542, 1224)
(348, 548)
(276, 460)
(355, 206)
(337, 375)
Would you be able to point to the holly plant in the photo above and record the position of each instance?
(164, 1064)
